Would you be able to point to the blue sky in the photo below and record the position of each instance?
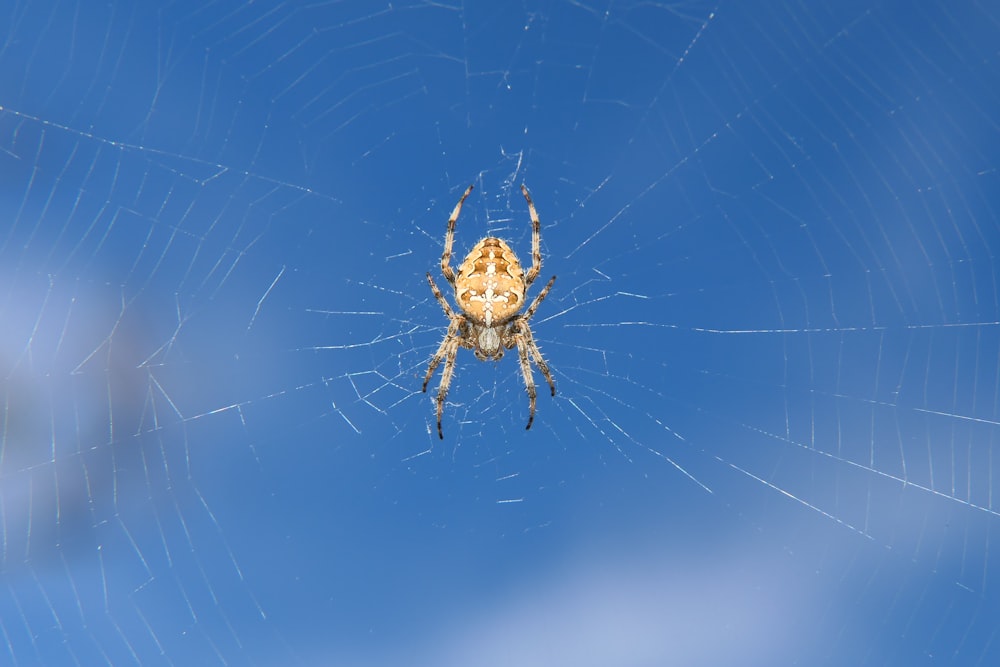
(774, 334)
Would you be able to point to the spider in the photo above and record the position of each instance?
(490, 290)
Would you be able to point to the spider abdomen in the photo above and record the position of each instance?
(489, 287)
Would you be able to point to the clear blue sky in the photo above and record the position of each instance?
(774, 334)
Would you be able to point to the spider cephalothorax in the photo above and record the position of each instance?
(489, 289)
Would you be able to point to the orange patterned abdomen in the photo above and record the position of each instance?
(489, 287)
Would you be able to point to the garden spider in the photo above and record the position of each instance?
(489, 290)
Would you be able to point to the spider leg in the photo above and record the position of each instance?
(529, 381)
(440, 297)
(455, 323)
(450, 345)
(446, 352)
(536, 240)
(536, 354)
(449, 239)
(443, 350)
(538, 299)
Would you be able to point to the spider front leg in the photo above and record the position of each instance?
(529, 382)
(447, 351)
(442, 351)
(533, 350)
(450, 345)
(536, 354)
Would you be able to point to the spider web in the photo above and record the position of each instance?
(775, 334)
